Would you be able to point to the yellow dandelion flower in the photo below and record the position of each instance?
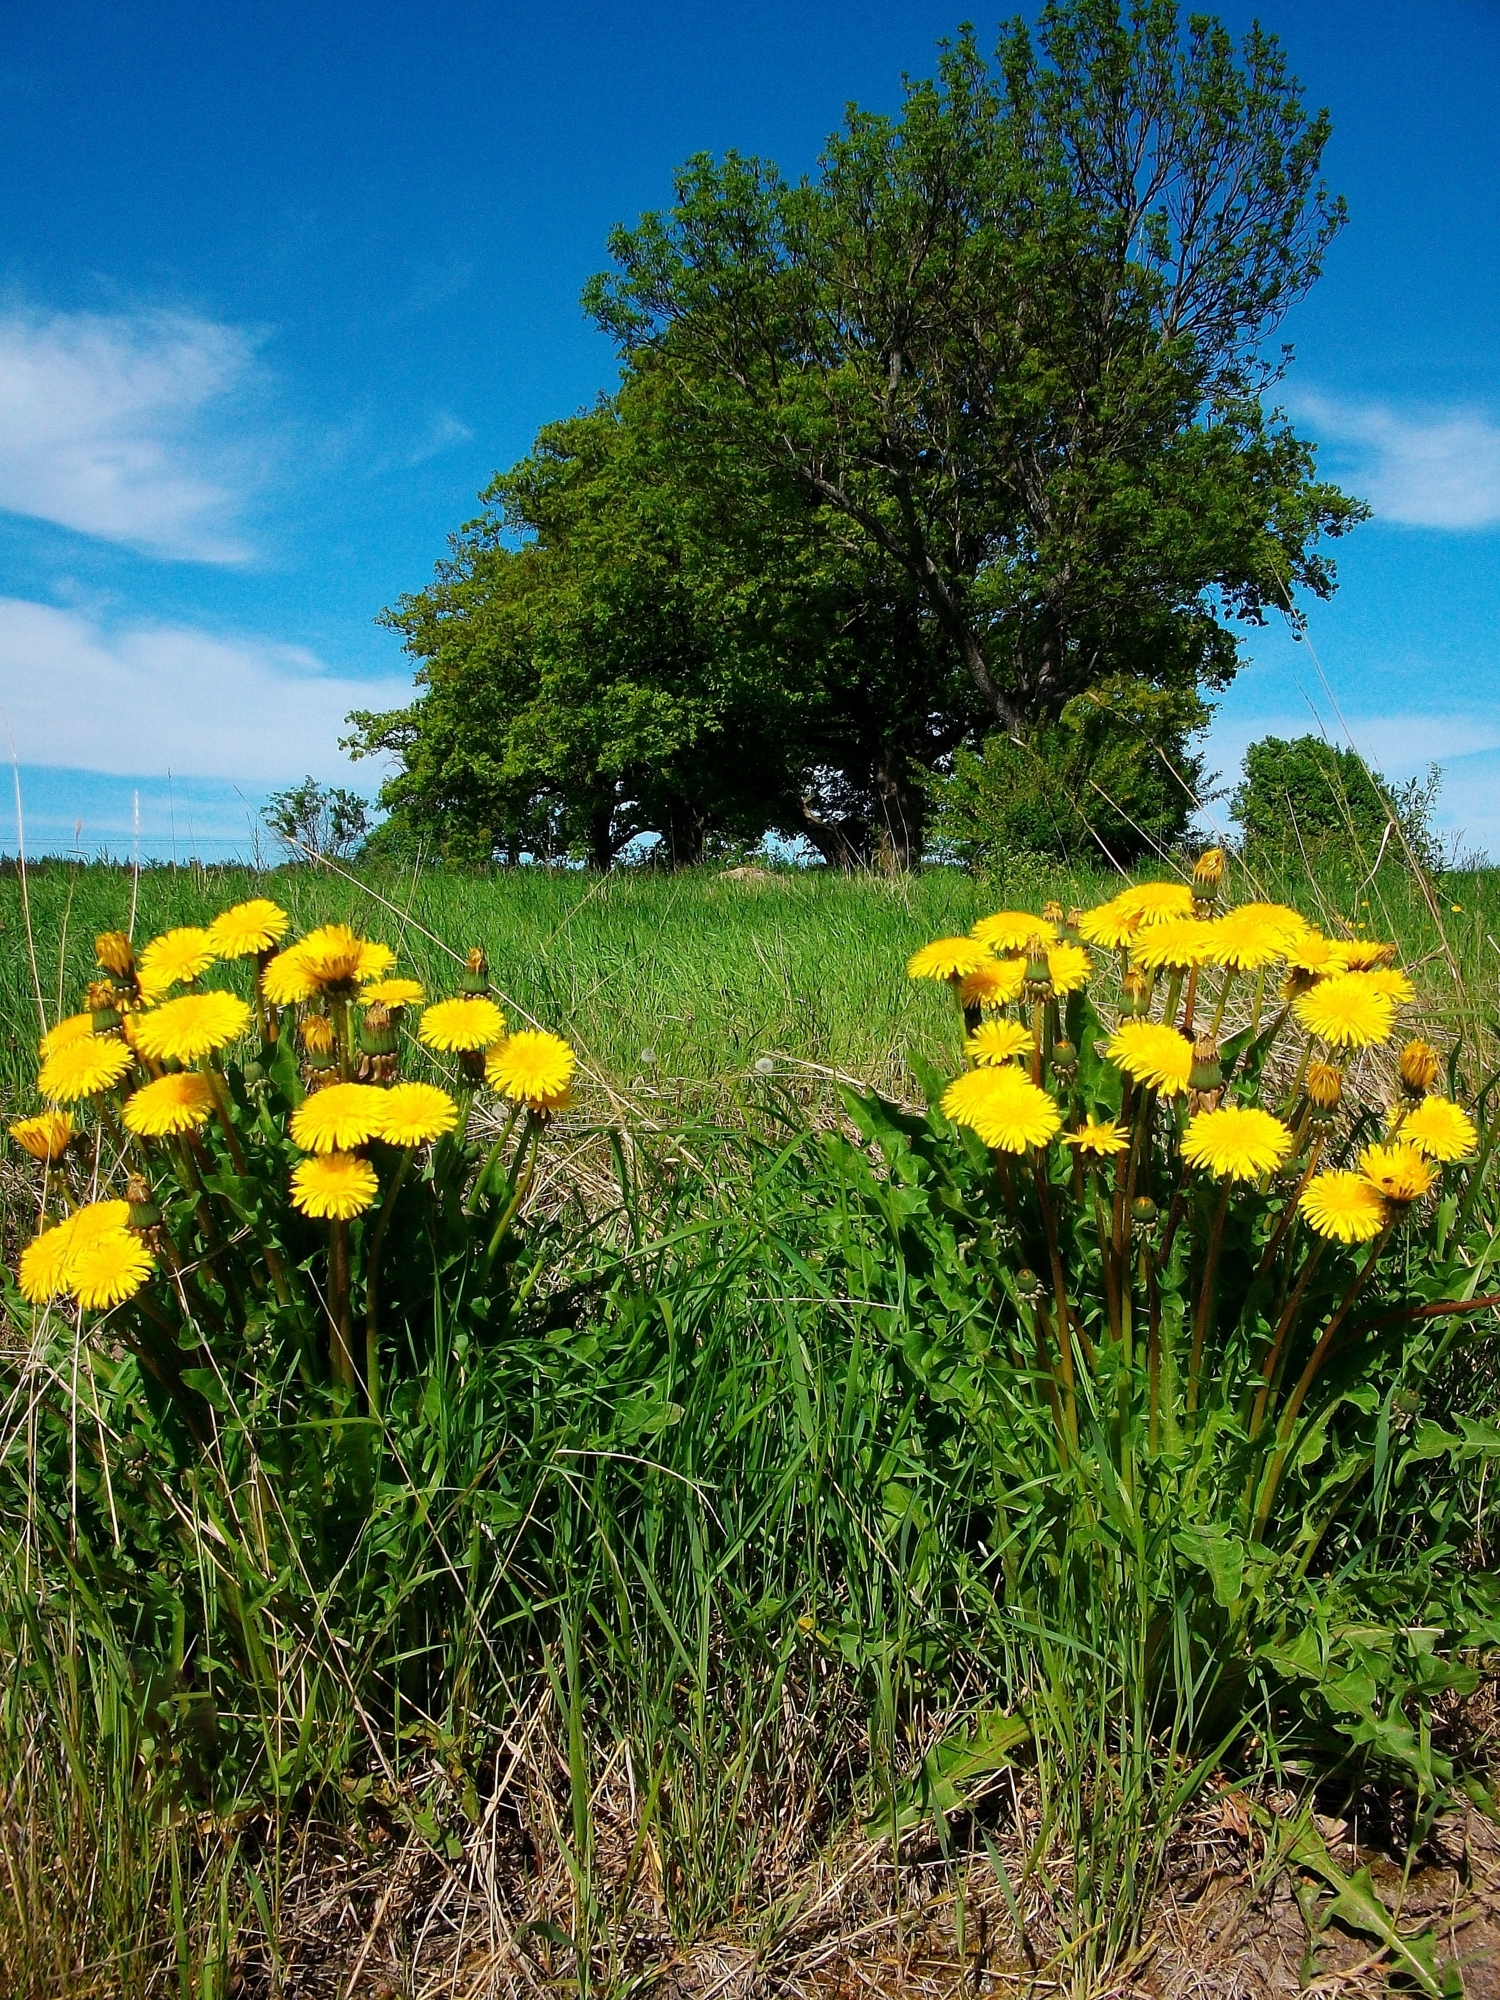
(1208, 869)
(392, 993)
(1069, 967)
(414, 1114)
(375, 961)
(334, 1187)
(1399, 1171)
(1346, 1013)
(1005, 1108)
(1441, 1129)
(1257, 934)
(288, 978)
(1237, 1143)
(948, 958)
(1364, 954)
(1314, 955)
(109, 1269)
(332, 954)
(1153, 1054)
(45, 1136)
(1344, 1207)
(171, 1104)
(197, 1024)
(1012, 930)
(335, 1119)
(1419, 1064)
(1099, 1138)
(176, 958)
(1388, 980)
(47, 1262)
(115, 953)
(71, 1029)
(531, 1066)
(1109, 925)
(998, 1042)
(993, 984)
(249, 928)
(83, 1068)
(1177, 943)
(1158, 902)
(461, 1026)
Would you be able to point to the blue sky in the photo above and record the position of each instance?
(280, 288)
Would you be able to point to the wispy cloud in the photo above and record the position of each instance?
(102, 428)
(1423, 468)
(154, 698)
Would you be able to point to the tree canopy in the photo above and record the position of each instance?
(971, 423)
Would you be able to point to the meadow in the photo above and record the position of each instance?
(720, 1600)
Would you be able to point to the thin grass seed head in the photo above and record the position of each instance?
(46, 1136)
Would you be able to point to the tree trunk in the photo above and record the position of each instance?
(601, 840)
(900, 810)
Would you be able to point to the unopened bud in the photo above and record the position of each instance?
(115, 953)
(1208, 869)
(1418, 1063)
(1137, 992)
(1052, 913)
(316, 1034)
(102, 1003)
(1207, 1072)
(1064, 1061)
(144, 1213)
(1144, 1212)
(1029, 1286)
(377, 1036)
(1324, 1086)
(476, 976)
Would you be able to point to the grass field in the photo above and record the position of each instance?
(725, 1623)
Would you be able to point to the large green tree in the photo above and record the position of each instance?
(1014, 340)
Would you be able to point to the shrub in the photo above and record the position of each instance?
(1305, 794)
(1111, 779)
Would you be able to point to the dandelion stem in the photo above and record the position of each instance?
(341, 1353)
(372, 1283)
(1218, 1020)
(1206, 1297)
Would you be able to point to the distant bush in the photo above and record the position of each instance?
(1305, 793)
(1111, 779)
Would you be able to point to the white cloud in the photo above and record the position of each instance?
(1421, 468)
(101, 420)
(155, 698)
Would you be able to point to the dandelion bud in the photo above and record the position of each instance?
(476, 978)
(1208, 869)
(377, 1035)
(144, 1213)
(1038, 982)
(1143, 1211)
(1064, 1062)
(316, 1035)
(1137, 992)
(1419, 1063)
(1052, 913)
(102, 1001)
(1207, 1072)
(115, 953)
(1324, 1086)
(1029, 1287)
